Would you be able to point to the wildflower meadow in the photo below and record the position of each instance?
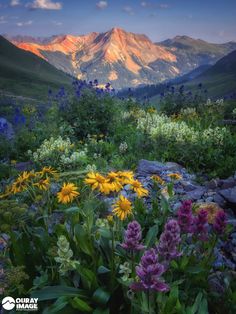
(108, 204)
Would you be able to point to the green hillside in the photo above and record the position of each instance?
(23, 73)
(220, 79)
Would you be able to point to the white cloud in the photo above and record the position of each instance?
(3, 19)
(128, 10)
(15, 3)
(27, 23)
(164, 6)
(144, 4)
(44, 5)
(57, 23)
(102, 5)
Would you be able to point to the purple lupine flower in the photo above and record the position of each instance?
(185, 217)
(133, 236)
(169, 241)
(200, 225)
(149, 272)
(220, 222)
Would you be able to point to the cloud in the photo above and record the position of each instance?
(128, 9)
(44, 5)
(163, 6)
(102, 5)
(27, 23)
(57, 23)
(144, 4)
(147, 5)
(15, 3)
(3, 19)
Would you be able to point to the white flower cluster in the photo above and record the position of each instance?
(218, 103)
(188, 112)
(123, 147)
(91, 168)
(234, 112)
(58, 151)
(161, 126)
(52, 146)
(75, 158)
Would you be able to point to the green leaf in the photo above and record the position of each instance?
(195, 269)
(88, 277)
(103, 270)
(101, 296)
(151, 236)
(203, 307)
(57, 306)
(184, 262)
(105, 233)
(83, 240)
(81, 305)
(101, 311)
(55, 292)
(197, 303)
(72, 210)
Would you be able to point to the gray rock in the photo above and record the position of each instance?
(173, 166)
(146, 167)
(229, 195)
(213, 184)
(209, 199)
(219, 200)
(228, 183)
(196, 194)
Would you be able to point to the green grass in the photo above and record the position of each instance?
(23, 73)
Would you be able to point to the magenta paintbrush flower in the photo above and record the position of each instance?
(169, 241)
(149, 272)
(220, 222)
(185, 217)
(200, 225)
(133, 236)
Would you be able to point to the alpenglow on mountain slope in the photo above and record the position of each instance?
(25, 74)
(123, 58)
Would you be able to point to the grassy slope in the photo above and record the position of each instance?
(220, 79)
(23, 73)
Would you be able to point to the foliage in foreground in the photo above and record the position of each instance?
(101, 242)
(76, 252)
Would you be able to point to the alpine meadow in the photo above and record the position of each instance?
(118, 157)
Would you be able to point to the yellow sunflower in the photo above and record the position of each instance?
(43, 184)
(138, 188)
(175, 176)
(68, 193)
(158, 179)
(97, 181)
(114, 181)
(48, 171)
(125, 176)
(21, 183)
(122, 208)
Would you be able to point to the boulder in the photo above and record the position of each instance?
(229, 195)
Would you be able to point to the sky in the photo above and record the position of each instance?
(210, 20)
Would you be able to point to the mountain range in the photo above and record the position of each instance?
(124, 58)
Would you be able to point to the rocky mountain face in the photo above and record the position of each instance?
(123, 58)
